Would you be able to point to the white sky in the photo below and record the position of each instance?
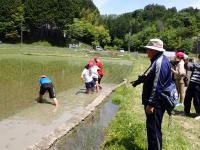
(123, 6)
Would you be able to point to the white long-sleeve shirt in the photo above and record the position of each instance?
(94, 71)
(87, 75)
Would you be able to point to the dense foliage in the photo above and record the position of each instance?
(11, 15)
(61, 21)
(40, 19)
(178, 29)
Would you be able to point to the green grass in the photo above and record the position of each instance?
(127, 130)
(43, 49)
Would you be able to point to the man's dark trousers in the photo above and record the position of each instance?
(153, 124)
(193, 91)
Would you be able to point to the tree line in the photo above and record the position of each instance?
(51, 20)
(67, 21)
(178, 29)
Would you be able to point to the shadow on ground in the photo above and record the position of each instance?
(181, 113)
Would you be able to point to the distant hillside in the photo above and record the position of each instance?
(178, 29)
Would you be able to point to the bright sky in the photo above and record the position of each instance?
(123, 6)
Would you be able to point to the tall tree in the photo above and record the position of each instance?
(11, 17)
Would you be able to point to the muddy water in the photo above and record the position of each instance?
(30, 125)
(19, 78)
(89, 134)
(23, 122)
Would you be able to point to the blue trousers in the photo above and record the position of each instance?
(192, 92)
(153, 125)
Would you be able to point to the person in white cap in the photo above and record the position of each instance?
(158, 78)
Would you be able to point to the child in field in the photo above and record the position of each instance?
(95, 75)
(100, 70)
(87, 77)
(46, 85)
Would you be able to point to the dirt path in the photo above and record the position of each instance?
(28, 128)
(190, 128)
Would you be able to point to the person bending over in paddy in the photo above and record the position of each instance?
(47, 85)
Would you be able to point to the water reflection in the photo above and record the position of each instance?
(90, 134)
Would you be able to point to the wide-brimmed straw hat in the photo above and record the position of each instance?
(155, 44)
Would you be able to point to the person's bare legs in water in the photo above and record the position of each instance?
(55, 101)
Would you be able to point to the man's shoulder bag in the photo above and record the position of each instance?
(169, 97)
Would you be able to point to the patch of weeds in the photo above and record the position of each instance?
(127, 130)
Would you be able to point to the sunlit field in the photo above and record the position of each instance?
(22, 66)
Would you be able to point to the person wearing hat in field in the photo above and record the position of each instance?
(179, 73)
(158, 78)
(47, 85)
(86, 75)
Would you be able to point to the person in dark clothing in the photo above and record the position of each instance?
(46, 85)
(193, 90)
(158, 78)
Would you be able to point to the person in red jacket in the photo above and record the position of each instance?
(100, 70)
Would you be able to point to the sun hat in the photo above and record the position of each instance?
(43, 76)
(155, 44)
(180, 54)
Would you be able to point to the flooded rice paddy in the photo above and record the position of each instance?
(19, 77)
(23, 121)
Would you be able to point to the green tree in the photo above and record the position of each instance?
(102, 35)
(11, 16)
(117, 42)
(187, 45)
(86, 32)
(57, 12)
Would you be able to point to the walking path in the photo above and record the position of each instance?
(38, 127)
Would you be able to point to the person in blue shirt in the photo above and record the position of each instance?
(46, 85)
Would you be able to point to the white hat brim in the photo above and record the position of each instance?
(155, 48)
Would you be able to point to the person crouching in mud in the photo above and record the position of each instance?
(47, 85)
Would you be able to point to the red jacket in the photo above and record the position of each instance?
(100, 65)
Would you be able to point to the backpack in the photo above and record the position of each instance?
(169, 97)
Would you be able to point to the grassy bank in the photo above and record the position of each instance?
(128, 130)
